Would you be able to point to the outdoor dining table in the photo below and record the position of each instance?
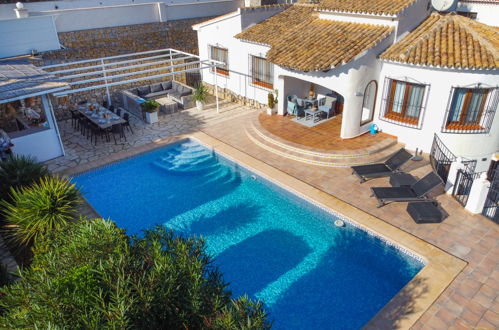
(97, 117)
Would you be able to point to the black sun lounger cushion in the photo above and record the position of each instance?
(416, 192)
(382, 169)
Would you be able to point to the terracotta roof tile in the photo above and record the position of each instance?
(301, 41)
(378, 7)
(448, 41)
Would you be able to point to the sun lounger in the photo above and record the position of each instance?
(414, 193)
(371, 171)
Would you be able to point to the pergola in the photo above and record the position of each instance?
(123, 69)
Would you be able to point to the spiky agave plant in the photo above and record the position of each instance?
(45, 206)
(19, 171)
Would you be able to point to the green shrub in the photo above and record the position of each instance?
(92, 275)
(200, 93)
(19, 171)
(150, 106)
(38, 209)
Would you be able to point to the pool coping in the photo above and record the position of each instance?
(409, 304)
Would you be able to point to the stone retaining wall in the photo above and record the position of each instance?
(229, 95)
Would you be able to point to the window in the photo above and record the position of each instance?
(470, 110)
(262, 72)
(222, 55)
(368, 103)
(403, 102)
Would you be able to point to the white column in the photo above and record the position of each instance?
(281, 97)
(21, 12)
(451, 178)
(105, 80)
(478, 194)
(216, 90)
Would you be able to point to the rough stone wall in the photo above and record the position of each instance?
(229, 95)
(96, 43)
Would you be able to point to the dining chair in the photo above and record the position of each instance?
(126, 124)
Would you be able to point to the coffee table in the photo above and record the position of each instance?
(168, 105)
(313, 113)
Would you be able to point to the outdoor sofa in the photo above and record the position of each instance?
(378, 170)
(180, 93)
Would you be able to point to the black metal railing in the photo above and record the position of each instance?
(441, 158)
(462, 187)
(491, 207)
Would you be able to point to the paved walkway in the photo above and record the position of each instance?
(80, 150)
(471, 301)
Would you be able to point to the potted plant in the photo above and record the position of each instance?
(200, 96)
(270, 103)
(150, 108)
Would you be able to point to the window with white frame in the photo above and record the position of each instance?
(222, 55)
(403, 102)
(262, 72)
(470, 110)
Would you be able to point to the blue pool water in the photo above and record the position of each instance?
(269, 243)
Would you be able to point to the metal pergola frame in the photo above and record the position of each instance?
(103, 66)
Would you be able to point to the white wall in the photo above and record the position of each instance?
(7, 10)
(101, 17)
(222, 34)
(411, 17)
(487, 13)
(200, 9)
(20, 36)
(440, 83)
(43, 145)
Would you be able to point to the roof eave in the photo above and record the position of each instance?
(437, 66)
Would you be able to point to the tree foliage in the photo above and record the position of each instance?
(40, 208)
(92, 275)
(19, 171)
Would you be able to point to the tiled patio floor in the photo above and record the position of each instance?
(325, 136)
(471, 301)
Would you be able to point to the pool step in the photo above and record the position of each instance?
(340, 158)
(192, 159)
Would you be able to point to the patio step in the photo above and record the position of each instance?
(340, 158)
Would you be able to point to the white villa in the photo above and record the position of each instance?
(412, 72)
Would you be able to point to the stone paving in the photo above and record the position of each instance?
(472, 299)
(80, 150)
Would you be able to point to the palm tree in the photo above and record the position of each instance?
(19, 171)
(43, 207)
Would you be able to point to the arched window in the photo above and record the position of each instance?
(369, 102)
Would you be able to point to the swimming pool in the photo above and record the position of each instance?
(269, 243)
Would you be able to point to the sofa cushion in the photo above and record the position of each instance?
(143, 90)
(186, 91)
(155, 95)
(175, 95)
(156, 88)
(167, 85)
(177, 87)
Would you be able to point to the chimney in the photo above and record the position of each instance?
(21, 12)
